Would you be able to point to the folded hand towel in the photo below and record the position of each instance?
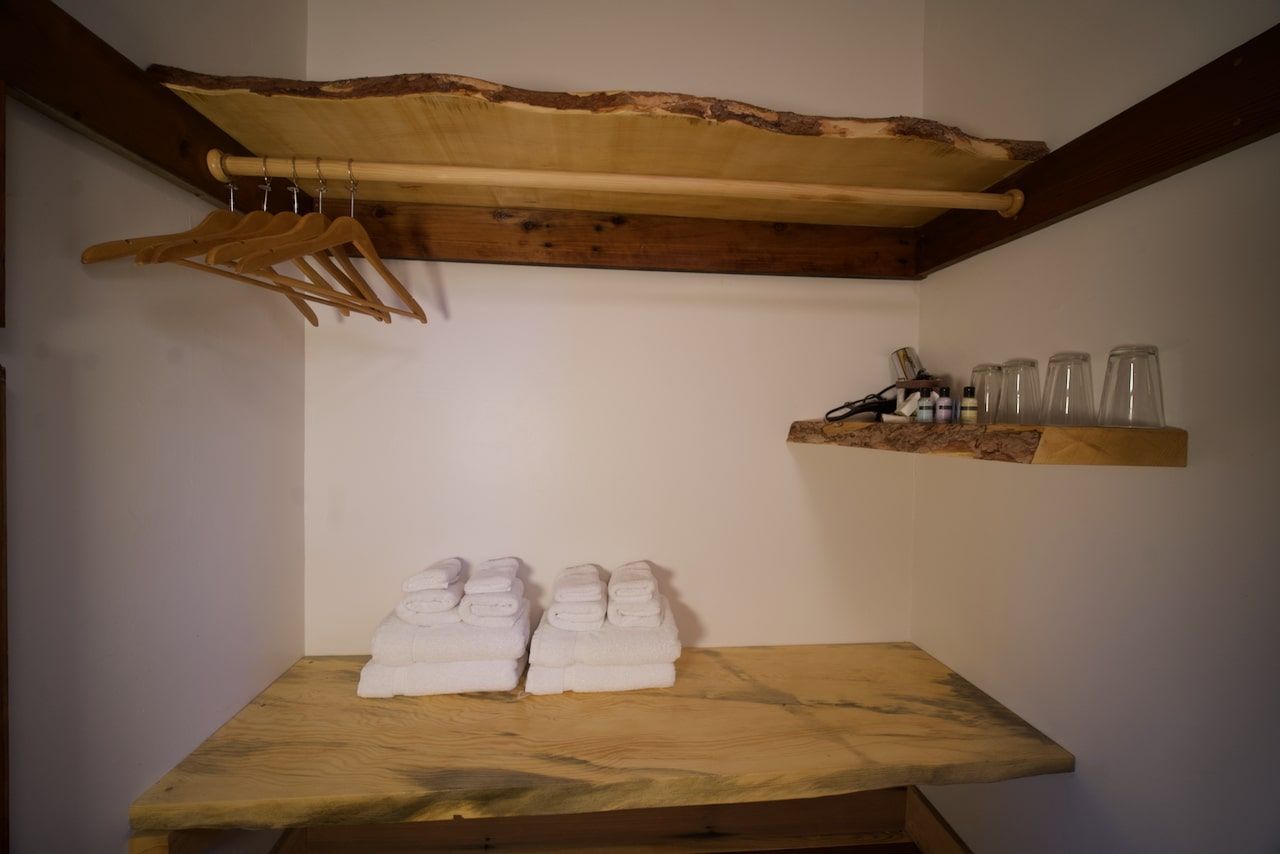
(610, 644)
(576, 616)
(493, 576)
(396, 642)
(412, 606)
(438, 576)
(579, 584)
(494, 604)
(471, 618)
(635, 615)
(452, 677)
(590, 677)
(633, 582)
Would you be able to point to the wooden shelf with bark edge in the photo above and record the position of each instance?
(1007, 443)
(741, 726)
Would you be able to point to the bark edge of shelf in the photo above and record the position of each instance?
(1011, 443)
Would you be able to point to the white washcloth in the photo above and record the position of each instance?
(494, 604)
(635, 615)
(396, 642)
(633, 582)
(593, 677)
(471, 618)
(412, 606)
(610, 644)
(576, 616)
(438, 576)
(579, 584)
(449, 677)
(493, 576)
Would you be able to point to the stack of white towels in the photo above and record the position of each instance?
(447, 636)
(619, 637)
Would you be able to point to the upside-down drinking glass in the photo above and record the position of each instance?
(1068, 390)
(1131, 393)
(1019, 392)
(985, 380)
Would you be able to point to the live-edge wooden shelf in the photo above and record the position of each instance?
(741, 725)
(1009, 443)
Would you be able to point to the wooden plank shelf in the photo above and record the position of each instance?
(1008, 443)
(741, 725)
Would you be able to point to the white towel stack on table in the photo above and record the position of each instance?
(438, 642)
(638, 652)
(633, 597)
(577, 599)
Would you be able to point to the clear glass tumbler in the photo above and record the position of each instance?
(1131, 393)
(1068, 390)
(985, 380)
(1019, 392)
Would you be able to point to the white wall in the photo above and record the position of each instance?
(1129, 613)
(584, 415)
(155, 472)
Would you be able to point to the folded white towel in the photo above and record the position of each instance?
(593, 677)
(494, 604)
(576, 616)
(471, 618)
(635, 615)
(579, 584)
(438, 576)
(450, 677)
(633, 582)
(428, 619)
(610, 644)
(413, 605)
(396, 642)
(493, 576)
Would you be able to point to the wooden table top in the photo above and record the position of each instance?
(741, 724)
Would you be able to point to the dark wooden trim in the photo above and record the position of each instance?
(636, 242)
(931, 833)
(1231, 102)
(4, 613)
(862, 818)
(3, 203)
(58, 66)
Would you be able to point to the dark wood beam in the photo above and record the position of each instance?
(3, 205)
(52, 62)
(635, 242)
(1224, 105)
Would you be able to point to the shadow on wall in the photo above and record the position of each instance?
(687, 622)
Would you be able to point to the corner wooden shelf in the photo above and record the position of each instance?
(741, 725)
(1009, 443)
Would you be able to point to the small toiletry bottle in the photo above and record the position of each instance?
(925, 409)
(969, 406)
(945, 408)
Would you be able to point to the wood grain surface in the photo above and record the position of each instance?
(449, 120)
(741, 725)
(1009, 443)
(858, 819)
(636, 241)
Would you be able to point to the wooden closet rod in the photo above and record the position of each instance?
(222, 166)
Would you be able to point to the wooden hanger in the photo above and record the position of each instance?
(250, 224)
(341, 231)
(219, 220)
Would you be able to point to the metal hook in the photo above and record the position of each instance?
(351, 188)
(231, 187)
(324, 186)
(294, 188)
(265, 186)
